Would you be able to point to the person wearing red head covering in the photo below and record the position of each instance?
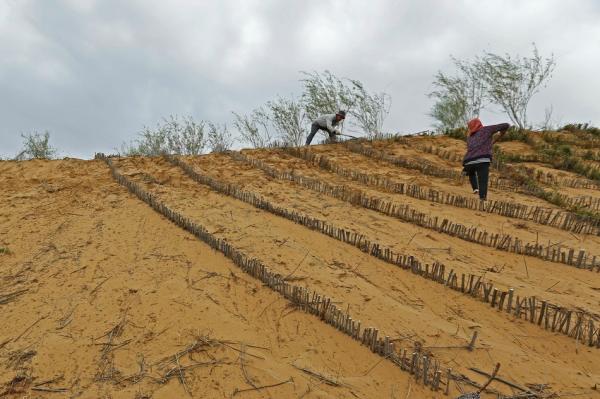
(479, 154)
(474, 125)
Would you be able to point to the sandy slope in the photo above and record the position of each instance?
(88, 262)
(528, 231)
(349, 159)
(528, 274)
(405, 306)
(93, 257)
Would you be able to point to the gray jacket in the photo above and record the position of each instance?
(327, 122)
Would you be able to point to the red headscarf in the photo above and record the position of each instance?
(474, 125)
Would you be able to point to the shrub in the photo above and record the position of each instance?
(457, 133)
(326, 93)
(288, 117)
(219, 138)
(370, 109)
(507, 81)
(459, 98)
(588, 155)
(449, 112)
(511, 82)
(582, 127)
(185, 137)
(515, 134)
(36, 146)
(255, 128)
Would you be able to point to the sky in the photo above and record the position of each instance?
(94, 73)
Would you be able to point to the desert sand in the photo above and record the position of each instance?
(101, 296)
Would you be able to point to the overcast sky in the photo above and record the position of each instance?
(93, 73)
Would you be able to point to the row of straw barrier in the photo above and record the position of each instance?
(585, 201)
(503, 242)
(576, 324)
(569, 220)
(433, 170)
(452, 156)
(424, 167)
(543, 177)
(418, 362)
(563, 220)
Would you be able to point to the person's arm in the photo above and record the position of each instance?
(501, 127)
(330, 127)
(498, 137)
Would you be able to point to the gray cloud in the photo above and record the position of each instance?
(94, 72)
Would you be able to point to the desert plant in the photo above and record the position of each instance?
(582, 127)
(449, 112)
(278, 123)
(561, 156)
(507, 81)
(36, 146)
(285, 121)
(547, 122)
(572, 127)
(149, 143)
(289, 119)
(325, 93)
(515, 134)
(458, 98)
(370, 109)
(255, 128)
(459, 133)
(185, 137)
(511, 82)
(219, 138)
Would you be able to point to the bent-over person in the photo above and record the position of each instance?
(328, 123)
(478, 158)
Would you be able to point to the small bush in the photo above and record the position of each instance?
(564, 150)
(594, 131)
(219, 138)
(582, 127)
(572, 127)
(515, 134)
(185, 137)
(458, 133)
(255, 128)
(36, 146)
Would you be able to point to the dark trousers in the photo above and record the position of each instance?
(479, 174)
(313, 130)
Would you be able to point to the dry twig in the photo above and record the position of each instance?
(325, 379)
(6, 298)
(262, 387)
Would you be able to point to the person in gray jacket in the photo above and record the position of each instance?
(327, 123)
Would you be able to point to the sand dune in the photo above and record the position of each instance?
(101, 296)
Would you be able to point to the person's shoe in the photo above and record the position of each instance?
(476, 191)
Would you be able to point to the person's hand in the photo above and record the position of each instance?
(498, 137)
